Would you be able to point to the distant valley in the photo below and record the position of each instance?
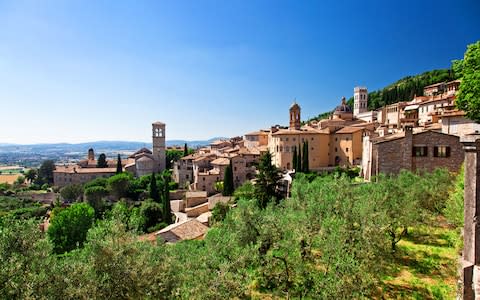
(34, 154)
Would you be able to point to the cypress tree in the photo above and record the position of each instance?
(119, 165)
(167, 210)
(305, 157)
(294, 159)
(153, 190)
(185, 150)
(298, 168)
(228, 181)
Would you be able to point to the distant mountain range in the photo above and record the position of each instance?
(98, 146)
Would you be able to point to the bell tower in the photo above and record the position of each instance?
(295, 116)
(158, 142)
(360, 100)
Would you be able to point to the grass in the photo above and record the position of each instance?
(425, 264)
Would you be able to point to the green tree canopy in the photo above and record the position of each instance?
(31, 175)
(119, 164)
(102, 161)
(68, 229)
(267, 178)
(228, 187)
(119, 184)
(153, 189)
(468, 98)
(71, 192)
(45, 172)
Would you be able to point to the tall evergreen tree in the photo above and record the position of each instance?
(298, 167)
(267, 178)
(102, 161)
(153, 189)
(167, 210)
(305, 167)
(294, 158)
(119, 164)
(228, 181)
(185, 150)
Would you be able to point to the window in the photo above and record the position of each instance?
(235, 168)
(335, 149)
(186, 176)
(293, 139)
(286, 139)
(441, 151)
(346, 150)
(419, 151)
(287, 149)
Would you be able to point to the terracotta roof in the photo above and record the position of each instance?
(187, 230)
(218, 142)
(204, 156)
(389, 137)
(257, 133)
(349, 129)
(196, 194)
(222, 161)
(295, 131)
(188, 157)
(140, 151)
(75, 169)
(453, 113)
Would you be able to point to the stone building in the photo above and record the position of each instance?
(336, 141)
(409, 150)
(360, 100)
(454, 122)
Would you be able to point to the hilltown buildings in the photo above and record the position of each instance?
(349, 137)
(142, 162)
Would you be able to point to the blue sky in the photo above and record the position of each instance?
(75, 71)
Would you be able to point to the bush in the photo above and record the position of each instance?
(68, 229)
(156, 227)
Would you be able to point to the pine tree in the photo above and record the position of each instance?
(119, 165)
(102, 161)
(153, 191)
(294, 159)
(228, 181)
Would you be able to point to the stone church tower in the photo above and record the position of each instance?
(295, 116)
(360, 100)
(158, 141)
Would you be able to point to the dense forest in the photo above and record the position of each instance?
(404, 89)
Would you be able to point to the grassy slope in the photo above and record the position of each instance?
(425, 265)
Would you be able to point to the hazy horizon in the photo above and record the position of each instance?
(76, 71)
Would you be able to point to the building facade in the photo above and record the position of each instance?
(423, 150)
